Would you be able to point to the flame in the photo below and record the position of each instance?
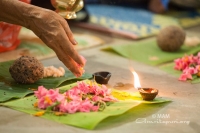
(137, 84)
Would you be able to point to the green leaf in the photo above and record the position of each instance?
(9, 89)
(149, 53)
(169, 68)
(36, 49)
(50, 108)
(84, 120)
(196, 80)
(137, 112)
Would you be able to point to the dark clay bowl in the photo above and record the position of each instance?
(101, 77)
(148, 94)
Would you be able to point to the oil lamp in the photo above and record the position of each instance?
(147, 94)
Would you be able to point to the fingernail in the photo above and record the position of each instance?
(83, 60)
(75, 42)
(78, 75)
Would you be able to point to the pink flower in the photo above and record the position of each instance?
(95, 108)
(40, 92)
(198, 68)
(105, 91)
(73, 107)
(46, 97)
(96, 98)
(60, 98)
(73, 94)
(82, 87)
(54, 94)
(195, 60)
(94, 89)
(44, 102)
(109, 99)
(198, 55)
(185, 76)
(81, 98)
(86, 106)
(180, 65)
(190, 70)
(188, 65)
(63, 106)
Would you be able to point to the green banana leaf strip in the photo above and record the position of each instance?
(81, 120)
(132, 115)
(9, 89)
(149, 53)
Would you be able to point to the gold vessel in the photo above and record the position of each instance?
(68, 8)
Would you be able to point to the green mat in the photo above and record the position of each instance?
(149, 53)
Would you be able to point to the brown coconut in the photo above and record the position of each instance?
(171, 38)
(26, 70)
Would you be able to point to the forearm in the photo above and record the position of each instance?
(12, 11)
(20, 13)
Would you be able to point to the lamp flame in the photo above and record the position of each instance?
(137, 84)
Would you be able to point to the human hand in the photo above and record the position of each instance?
(54, 31)
(50, 27)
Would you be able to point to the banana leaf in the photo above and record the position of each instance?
(142, 111)
(9, 89)
(149, 53)
(81, 120)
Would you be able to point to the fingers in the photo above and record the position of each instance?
(68, 31)
(70, 64)
(67, 54)
(67, 48)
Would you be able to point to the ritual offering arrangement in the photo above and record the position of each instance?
(84, 97)
(79, 102)
(171, 38)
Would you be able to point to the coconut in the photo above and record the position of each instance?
(26, 70)
(171, 38)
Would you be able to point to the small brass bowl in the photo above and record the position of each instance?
(148, 94)
(101, 77)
